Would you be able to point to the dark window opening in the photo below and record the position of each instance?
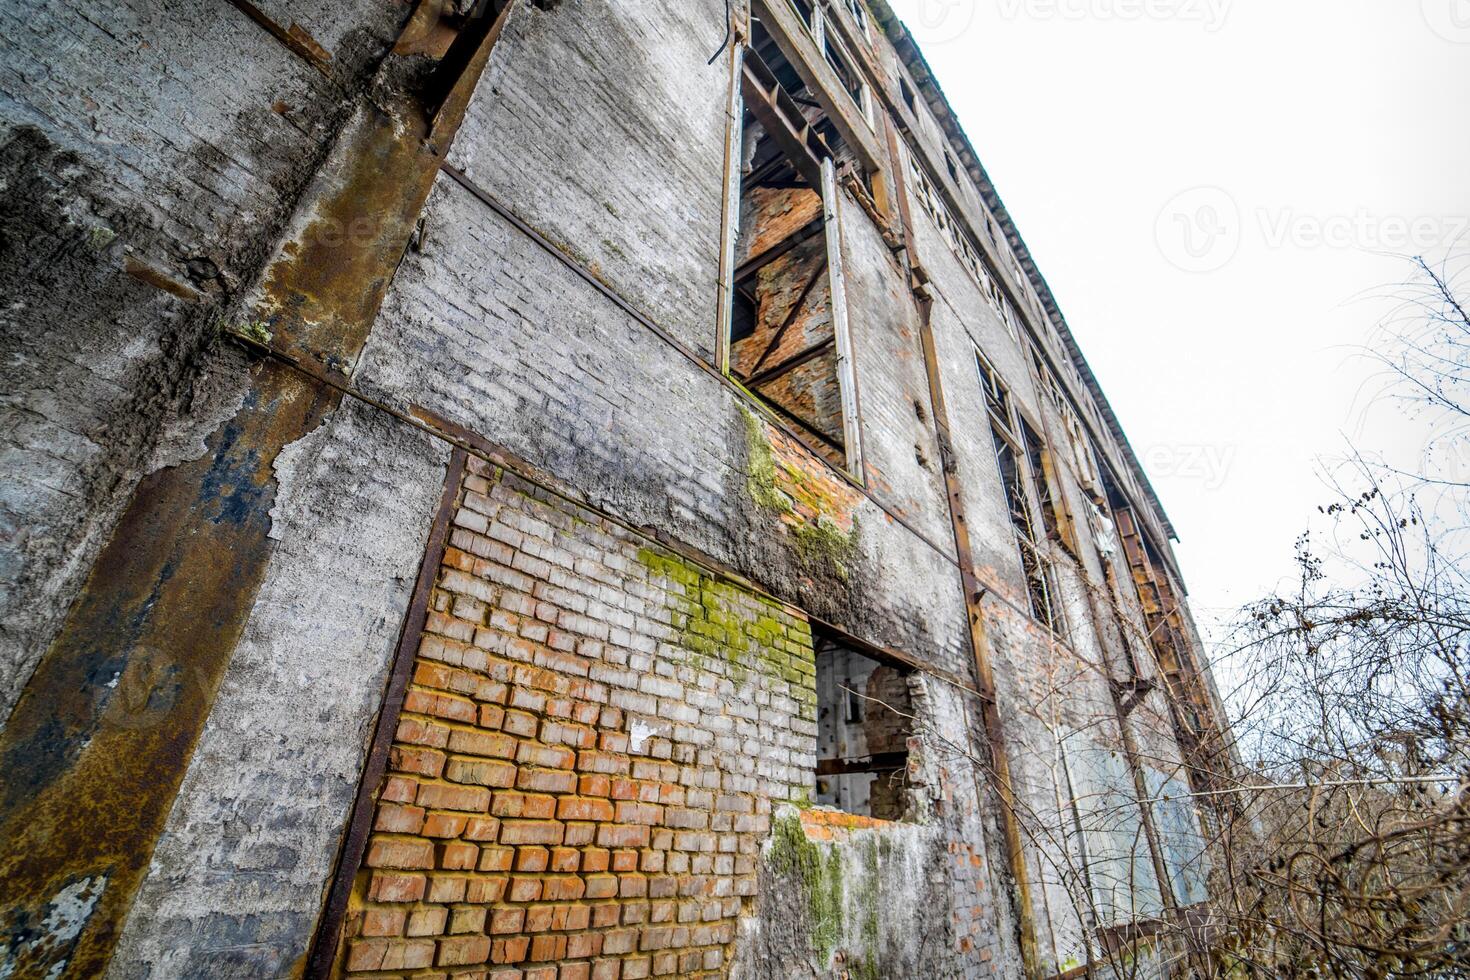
(864, 722)
(954, 170)
(1013, 439)
(846, 74)
(859, 14)
(784, 344)
(907, 92)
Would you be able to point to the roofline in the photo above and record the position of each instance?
(913, 59)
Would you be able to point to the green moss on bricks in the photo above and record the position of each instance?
(761, 473)
(820, 874)
(717, 619)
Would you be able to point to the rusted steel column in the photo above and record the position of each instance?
(974, 593)
(95, 750)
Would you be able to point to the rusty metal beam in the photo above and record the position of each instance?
(974, 592)
(783, 119)
(881, 762)
(805, 233)
(796, 361)
(99, 743)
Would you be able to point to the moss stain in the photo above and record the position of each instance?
(820, 874)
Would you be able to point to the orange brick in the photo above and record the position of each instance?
(607, 763)
(491, 716)
(538, 918)
(437, 796)
(531, 858)
(563, 889)
(496, 858)
(387, 852)
(446, 888)
(547, 948)
(583, 808)
(413, 731)
(595, 859)
(468, 921)
(512, 950)
(546, 780)
(520, 723)
(477, 772)
(395, 818)
(427, 922)
(525, 889)
(530, 832)
(485, 891)
(594, 784)
(504, 921)
(458, 856)
(601, 886)
(463, 950)
(606, 915)
(625, 860)
(444, 825)
(607, 970)
(616, 941)
(565, 859)
(400, 789)
(389, 954)
(388, 886)
(632, 886)
(580, 834)
(440, 706)
(383, 922)
(624, 789)
(532, 806)
(491, 745)
(421, 761)
(546, 756)
(482, 828)
(541, 973)
(575, 971)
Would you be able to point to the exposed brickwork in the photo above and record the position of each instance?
(587, 757)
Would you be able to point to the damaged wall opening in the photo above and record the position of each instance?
(787, 329)
(864, 722)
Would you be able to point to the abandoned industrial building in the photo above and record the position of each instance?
(534, 489)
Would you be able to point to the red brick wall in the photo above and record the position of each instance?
(586, 759)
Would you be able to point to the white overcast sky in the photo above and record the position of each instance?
(1302, 145)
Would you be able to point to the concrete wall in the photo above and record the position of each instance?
(556, 307)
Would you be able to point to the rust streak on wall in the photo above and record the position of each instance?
(99, 742)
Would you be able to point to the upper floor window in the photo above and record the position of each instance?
(859, 14)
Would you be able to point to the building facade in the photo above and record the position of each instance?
(540, 489)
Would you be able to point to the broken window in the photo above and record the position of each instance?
(1049, 493)
(787, 329)
(859, 15)
(1011, 459)
(864, 722)
(907, 92)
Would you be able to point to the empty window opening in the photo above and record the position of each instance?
(954, 170)
(787, 330)
(907, 91)
(864, 722)
(1011, 457)
(859, 15)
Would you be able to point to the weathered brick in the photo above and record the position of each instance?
(463, 950)
(390, 852)
(514, 832)
(388, 886)
(438, 796)
(478, 772)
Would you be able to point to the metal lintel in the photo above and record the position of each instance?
(876, 763)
